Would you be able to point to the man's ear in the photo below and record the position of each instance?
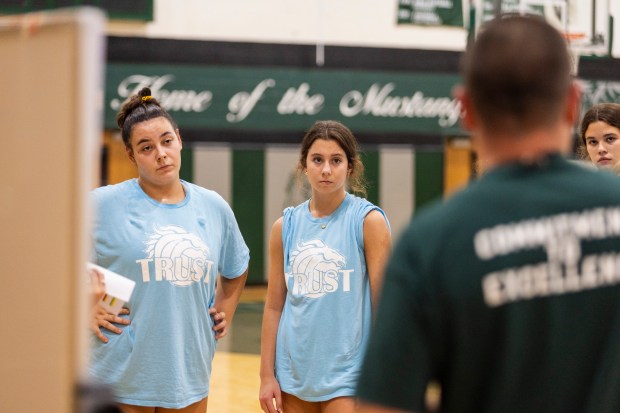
(468, 117)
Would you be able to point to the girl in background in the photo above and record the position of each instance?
(326, 259)
(600, 136)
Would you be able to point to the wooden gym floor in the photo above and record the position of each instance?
(235, 381)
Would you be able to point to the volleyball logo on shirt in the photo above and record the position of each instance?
(176, 256)
(317, 269)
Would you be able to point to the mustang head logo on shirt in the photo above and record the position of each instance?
(177, 256)
(317, 269)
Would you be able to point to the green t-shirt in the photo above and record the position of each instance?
(507, 295)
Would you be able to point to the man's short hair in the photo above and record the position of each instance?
(518, 73)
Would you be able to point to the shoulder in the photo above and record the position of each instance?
(277, 225)
(113, 192)
(600, 175)
(376, 228)
(354, 203)
(366, 210)
(205, 195)
(294, 210)
(276, 231)
(201, 191)
(437, 220)
(375, 218)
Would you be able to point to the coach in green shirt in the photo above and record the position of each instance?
(508, 294)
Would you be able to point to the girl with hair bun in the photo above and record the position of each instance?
(175, 240)
(326, 259)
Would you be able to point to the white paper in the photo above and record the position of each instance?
(118, 289)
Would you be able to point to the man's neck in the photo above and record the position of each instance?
(494, 150)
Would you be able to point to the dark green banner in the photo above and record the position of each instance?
(260, 99)
(431, 12)
(115, 9)
(488, 11)
(246, 98)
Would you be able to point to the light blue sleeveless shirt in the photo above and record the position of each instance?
(174, 253)
(327, 315)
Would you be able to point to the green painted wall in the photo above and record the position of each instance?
(187, 165)
(248, 204)
(428, 183)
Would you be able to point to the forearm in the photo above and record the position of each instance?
(274, 303)
(377, 248)
(228, 294)
(269, 332)
(375, 294)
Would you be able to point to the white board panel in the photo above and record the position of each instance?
(50, 93)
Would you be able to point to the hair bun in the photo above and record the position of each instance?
(145, 91)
